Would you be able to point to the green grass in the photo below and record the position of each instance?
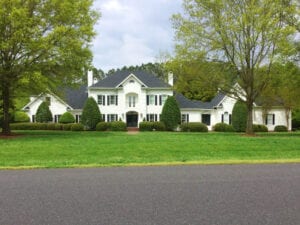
(46, 149)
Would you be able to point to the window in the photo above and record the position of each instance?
(151, 117)
(112, 117)
(131, 101)
(270, 119)
(162, 99)
(184, 118)
(56, 118)
(101, 99)
(33, 118)
(206, 119)
(103, 117)
(77, 118)
(131, 81)
(48, 100)
(151, 99)
(112, 100)
(226, 118)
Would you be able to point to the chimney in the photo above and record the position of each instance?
(90, 78)
(170, 78)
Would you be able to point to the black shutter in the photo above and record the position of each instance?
(116, 99)
(147, 99)
(108, 97)
(160, 100)
(273, 119)
(116, 117)
(155, 99)
(222, 118)
(103, 99)
(229, 118)
(147, 117)
(187, 118)
(155, 117)
(266, 120)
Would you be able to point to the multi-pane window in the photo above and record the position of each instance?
(112, 100)
(184, 118)
(151, 99)
(270, 119)
(56, 118)
(206, 119)
(162, 99)
(77, 118)
(151, 117)
(131, 101)
(226, 118)
(103, 117)
(101, 99)
(112, 117)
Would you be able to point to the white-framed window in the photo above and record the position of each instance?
(184, 118)
(77, 118)
(103, 117)
(56, 118)
(112, 117)
(112, 100)
(226, 118)
(270, 119)
(151, 99)
(151, 117)
(131, 101)
(162, 99)
(205, 118)
(101, 99)
(48, 100)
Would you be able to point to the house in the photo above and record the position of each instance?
(137, 96)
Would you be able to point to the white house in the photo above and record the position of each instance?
(137, 96)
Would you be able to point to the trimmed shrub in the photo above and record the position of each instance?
(58, 126)
(259, 128)
(193, 127)
(67, 117)
(239, 116)
(91, 115)
(118, 126)
(223, 127)
(28, 126)
(158, 126)
(67, 126)
(51, 126)
(170, 114)
(280, 128)
(21, 117)
(145, 126)
(77, 127)
(43, 113)
(102, 126)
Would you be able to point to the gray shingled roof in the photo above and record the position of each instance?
(185, 103)
(115, 79)
(76, 97)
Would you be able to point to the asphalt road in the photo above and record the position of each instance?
(220, 195)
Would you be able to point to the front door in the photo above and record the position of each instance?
(132, 119)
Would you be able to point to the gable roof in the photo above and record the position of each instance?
(76, 97)
(117, 78)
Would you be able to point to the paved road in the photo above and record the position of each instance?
(214, 195)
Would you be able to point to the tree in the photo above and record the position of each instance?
(91, 115)
(239, 116)
(170, 114)
(43, 113)
(248, 34)
(43, 44)
(67, 117)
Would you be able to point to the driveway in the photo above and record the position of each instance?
(220, 195)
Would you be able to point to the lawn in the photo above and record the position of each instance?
(46, 149)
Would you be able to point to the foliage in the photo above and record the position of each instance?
(21, 117)
(67, 117)
(51, 126)
(223, 127)
(117, 126)
(170, 114)
(58, 126)
(28, 126)
(43, 113)
(248, 35)
(239, 116)
(91, 115)
(259, 128)
(152, 126)
(103, 126)
(43, 45)
(77, 127)
(193, 127)
(296, 119)
(67, 126)
(280, 128)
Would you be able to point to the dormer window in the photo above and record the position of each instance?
(131, 81)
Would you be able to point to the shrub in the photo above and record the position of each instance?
(223, 127)
(43, 113)
(77, 127)
(28, 126)
(158, 126)
(51, 126)
(145, 126)
(239, 117)
(102, 126)
(170, 114)
(58, 126)
(91, 115)
(67, 117)
(118, 126)
(259, 128)
(193, 127)
(67, 126)
(21, 117)
(280, 128)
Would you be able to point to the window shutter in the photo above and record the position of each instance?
(266, 120)
(187, 118)
(155, 117)
(147, 117)
(273, 119)
(160, 100)
(103, 99)
(116, 99)
(116, 117)
(155, 99)
(147, 99)
(108, 98)
(222, 118)
(229, 118)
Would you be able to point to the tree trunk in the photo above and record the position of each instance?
(287, 117)
(249, 128)
(6, 106)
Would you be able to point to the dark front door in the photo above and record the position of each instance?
(132, 120)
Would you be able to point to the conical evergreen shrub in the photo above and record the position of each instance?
(171, 115)
(91, 115)
(43, 113)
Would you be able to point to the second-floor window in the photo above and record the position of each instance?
(101, 99)
(112, 100)
(131, 101)
(162, 99)
(151, 99)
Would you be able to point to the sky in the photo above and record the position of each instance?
(132, 32)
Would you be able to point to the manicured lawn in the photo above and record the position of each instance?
(46, 149)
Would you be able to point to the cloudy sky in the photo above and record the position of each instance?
(132, 32)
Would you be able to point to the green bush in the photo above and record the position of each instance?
(259, 128)
(158, 126)
(58, 126)
(280, 128)
(239, 116)
(193, 127)
(28, 126)
(118, 126)
(102, 126)
(223, 127)
(152, 126)
(21, 117)
(170, 114)
(91, 115)
(43, 113)
(67, 117)
(67, 126)
(51, 126)
(77, 127)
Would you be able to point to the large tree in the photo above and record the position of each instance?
(248, 34)
(43, 43)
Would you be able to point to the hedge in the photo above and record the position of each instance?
(223, 127)
(28, 126)
(280, 128)
(152, 126)
(77, 127)
(193, 127)
(259, 128)
(118, 126)
(102, 126)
